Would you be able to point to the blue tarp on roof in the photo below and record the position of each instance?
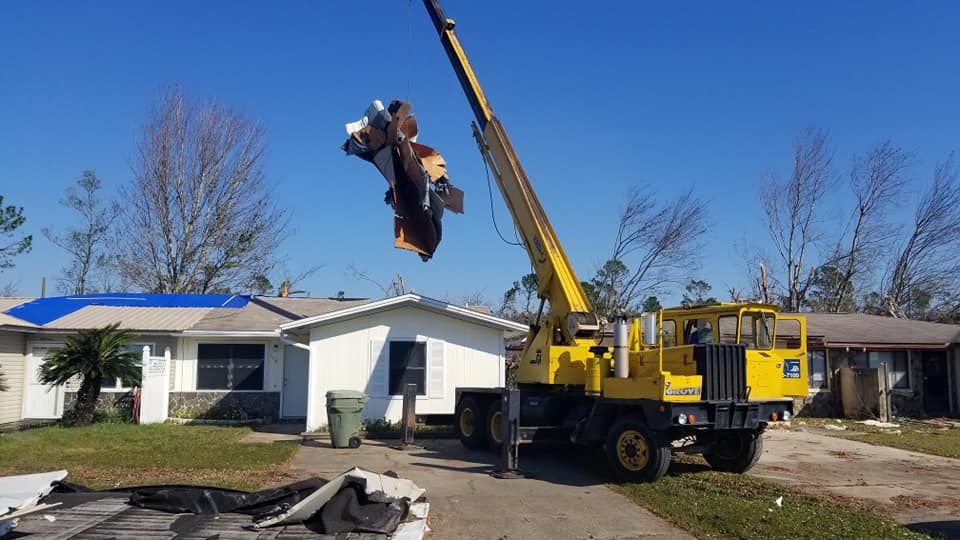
(43, 310)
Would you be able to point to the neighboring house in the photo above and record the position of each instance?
(920, 358)
(228, 356)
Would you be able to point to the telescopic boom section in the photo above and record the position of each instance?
(558, 282)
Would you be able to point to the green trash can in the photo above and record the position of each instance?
(343, 416)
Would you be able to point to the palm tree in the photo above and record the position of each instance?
(92, 355)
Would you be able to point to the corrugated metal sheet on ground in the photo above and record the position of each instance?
(112, 517)
(131, 318)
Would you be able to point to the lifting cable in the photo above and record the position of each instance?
(493, 215)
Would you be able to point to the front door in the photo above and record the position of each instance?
(296, 370)
(40, 401)
(936, 396)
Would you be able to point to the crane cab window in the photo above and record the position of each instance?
(669, 333)
(788, 335)
(727, 326)
(756, 330)
(698, 331)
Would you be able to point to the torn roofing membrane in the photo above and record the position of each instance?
(44, 310)
(419, 188)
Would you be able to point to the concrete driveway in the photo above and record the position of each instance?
(562, 501)
(912, 488)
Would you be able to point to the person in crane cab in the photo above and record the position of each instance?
(701, 332)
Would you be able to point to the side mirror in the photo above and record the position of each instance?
(650, 323)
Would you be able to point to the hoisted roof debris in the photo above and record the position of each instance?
(417, 175)
(359, 503)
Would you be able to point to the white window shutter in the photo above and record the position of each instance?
(435, 369)
(379, 369)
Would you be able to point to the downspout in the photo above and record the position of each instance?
(292, 343)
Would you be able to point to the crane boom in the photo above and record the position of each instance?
(570, 310)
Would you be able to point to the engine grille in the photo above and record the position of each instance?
(723, 367)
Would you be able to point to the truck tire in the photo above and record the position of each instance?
(735, 452)
(634, 452)
(470, 423)
(494, 425)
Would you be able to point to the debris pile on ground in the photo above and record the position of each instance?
(358, 502)
(417, 175)
(20, 496)
(879, 424)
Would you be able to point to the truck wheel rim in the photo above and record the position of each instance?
(632, 450)
(466, 422)
(496, 426)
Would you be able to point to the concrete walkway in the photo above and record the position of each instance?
(912, 487)
(562, 501)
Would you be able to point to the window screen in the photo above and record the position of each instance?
(111, 383)
(230, 366)
(898, 373)
(408, 365)
(817, 369)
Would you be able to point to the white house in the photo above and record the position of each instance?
(249, 357)
(380, 347)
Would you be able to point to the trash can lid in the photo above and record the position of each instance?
(345, 394)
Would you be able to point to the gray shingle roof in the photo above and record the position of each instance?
(863, 329)
(266, 314)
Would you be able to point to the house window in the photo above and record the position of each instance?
(898, 372)
(408, 365)
(817, 369)
(230, 366)
(111, 384)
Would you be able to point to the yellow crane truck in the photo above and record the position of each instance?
(703, 379)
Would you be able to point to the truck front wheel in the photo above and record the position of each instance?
(635, 453)
(735, 452)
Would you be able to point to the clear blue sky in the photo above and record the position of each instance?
(596, 97)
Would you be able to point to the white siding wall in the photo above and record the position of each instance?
(343, 356)
(12, 348)
(160, 342)
(183, 378)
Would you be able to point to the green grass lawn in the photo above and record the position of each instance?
(119, 455)
(909, 436)
(711, 504)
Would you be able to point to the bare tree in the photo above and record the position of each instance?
(198, 216)
(791, 206)
(85, 242)
(926, 264)
(877, 179)
(655, 246)
(396, 287)
(290, 280)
